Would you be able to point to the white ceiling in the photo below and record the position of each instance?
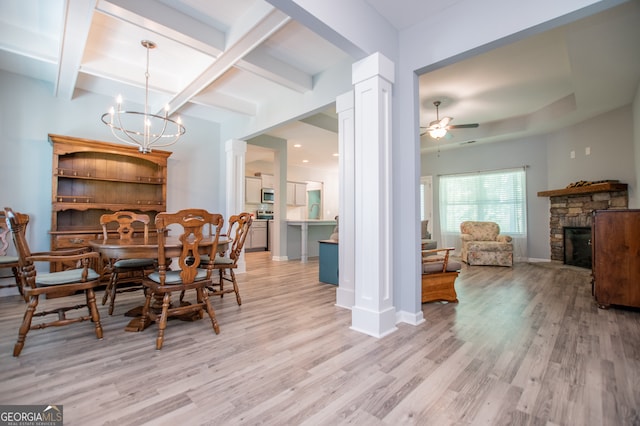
(541, 83)
(221, 60)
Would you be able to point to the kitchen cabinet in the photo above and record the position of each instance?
(296, 194)
(252, 188)
(267, 181)
(257, 236)
(615, 244)
(91, 178)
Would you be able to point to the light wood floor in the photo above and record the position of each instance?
(525, 346)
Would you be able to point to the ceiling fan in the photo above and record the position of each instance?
(440, 127)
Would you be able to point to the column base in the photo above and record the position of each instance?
(345, 298)
(374, 323)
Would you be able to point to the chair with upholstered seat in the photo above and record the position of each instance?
(190, 275)
(482, 244)
(6, 260)
(238, 230)
(55, 284)
(439, 274)
(125, 271)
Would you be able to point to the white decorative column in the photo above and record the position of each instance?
(236, 154)
(373, 312)
(345, 294)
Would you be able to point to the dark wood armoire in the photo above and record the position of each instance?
(616, 257)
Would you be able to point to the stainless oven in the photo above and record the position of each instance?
(268, 196)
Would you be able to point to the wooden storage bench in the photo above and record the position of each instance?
(438, 276)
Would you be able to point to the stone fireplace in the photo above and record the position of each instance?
(573, 208)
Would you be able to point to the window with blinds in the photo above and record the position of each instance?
(496, 196)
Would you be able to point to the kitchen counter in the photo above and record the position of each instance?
(311, 222)
(301, 231)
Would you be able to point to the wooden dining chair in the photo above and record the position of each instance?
(226, 264)
(189, 276)
(55, 284)
(125, 271)
(7, 261)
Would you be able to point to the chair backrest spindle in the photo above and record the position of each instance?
(238, 230)
(125, 220)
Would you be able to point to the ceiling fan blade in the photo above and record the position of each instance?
(444, 121)
(463, 126)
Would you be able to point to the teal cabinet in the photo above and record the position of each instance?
(328, 270)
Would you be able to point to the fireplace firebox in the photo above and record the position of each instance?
(577, 246)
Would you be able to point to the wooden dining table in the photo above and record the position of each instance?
(147, 248)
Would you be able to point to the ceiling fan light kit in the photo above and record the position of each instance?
(438, 132)
(439, 128)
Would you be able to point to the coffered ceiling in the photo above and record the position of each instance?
(223, 60)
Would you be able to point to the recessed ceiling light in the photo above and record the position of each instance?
(305, 161)
(297, 145)
(335, 154)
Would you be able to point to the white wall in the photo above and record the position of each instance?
(611, 146)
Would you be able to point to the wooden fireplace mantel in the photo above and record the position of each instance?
(588, 189)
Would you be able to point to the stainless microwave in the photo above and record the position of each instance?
(268, 196)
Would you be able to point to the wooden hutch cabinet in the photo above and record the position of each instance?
(616, 257)
(91, 178)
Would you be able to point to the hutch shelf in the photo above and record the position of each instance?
(91, 178)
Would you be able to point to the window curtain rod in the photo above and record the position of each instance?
(524, 167)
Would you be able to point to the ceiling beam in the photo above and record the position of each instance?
(227, 102)
(75, 31)
(245, 43)
(170, 23)
(161, 19)
(303, 12)
(266, 66)
(322, 121)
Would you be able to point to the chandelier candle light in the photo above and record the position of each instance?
(143, 129)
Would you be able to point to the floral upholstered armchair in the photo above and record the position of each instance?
(482, 244)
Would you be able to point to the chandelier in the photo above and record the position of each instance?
(143, 129)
